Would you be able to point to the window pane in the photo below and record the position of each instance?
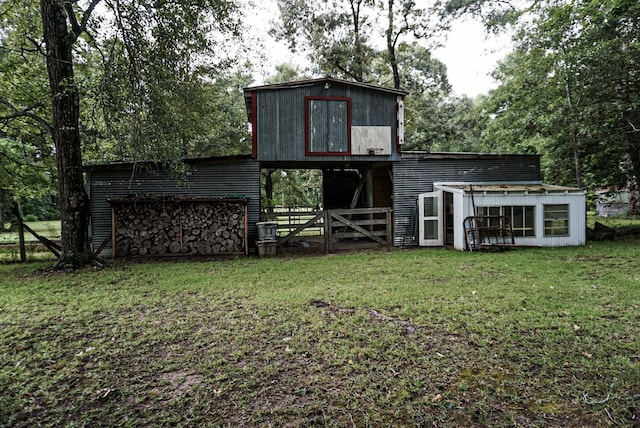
(529, 221)
(328, 126)
(521, 218)
(517, 218)
(430, 229)
(556, 220)
(495, 214)
(430, 207)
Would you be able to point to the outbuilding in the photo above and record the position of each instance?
(372, 190)
(437, 196)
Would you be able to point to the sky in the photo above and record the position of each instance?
(470, 56)
(468, 52)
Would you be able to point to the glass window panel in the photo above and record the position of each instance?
(529, 221)
(521, 218)
(430, 229)
(517, 217)
(430, 207)
(556, 220)
(328, 126)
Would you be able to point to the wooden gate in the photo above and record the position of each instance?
(338, 225)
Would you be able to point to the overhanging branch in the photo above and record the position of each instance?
(25, 112)
(77, 28)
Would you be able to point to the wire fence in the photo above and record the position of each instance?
(26, 237)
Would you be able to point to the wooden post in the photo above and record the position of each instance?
(113, 232)
(180, 224)
(389, 228)
(23, 250)
(246, 229)
(328, 235)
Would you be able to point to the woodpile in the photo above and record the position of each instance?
(154, 227)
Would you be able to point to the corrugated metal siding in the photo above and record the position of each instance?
(217, 179)
(415, 175)
(281, 121)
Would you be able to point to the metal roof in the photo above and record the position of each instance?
(506, 188)
(248, 92)
(423, 155)
(151, 164)
(310, 82)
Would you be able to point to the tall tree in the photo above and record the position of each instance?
(570, 91)
(60, 33)
(166, 46)
(336, 34)
(342, 37)
(406, 18)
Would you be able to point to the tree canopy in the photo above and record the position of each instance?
(570, 91)
(134, 80)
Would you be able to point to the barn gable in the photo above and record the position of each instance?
(326, 120)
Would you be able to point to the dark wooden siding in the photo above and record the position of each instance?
(417, 173)
(210, 179)
(280, 120)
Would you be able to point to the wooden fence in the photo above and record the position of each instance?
(373, 224)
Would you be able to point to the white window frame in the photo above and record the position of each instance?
(560, 214)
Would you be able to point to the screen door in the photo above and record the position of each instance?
(430, 219)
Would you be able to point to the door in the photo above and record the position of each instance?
(430, 219)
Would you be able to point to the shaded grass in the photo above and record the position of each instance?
(498, 339)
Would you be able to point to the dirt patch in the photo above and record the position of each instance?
(175, 385)
(181, 382)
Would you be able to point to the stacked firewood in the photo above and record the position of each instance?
(163, 227)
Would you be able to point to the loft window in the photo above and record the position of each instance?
(556, 220)
(328, 123)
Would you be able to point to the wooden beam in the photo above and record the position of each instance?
(358, 228)
(300, 228)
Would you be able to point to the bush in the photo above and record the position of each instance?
(30, 217)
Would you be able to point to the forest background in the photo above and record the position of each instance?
(94, 81)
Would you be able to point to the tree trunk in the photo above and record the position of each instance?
(391, 48)
(21, 243)
(268, 190)
(568, 86)
(633, 186)
(74, 201)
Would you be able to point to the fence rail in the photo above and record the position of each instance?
(25, 237)
(337, 225)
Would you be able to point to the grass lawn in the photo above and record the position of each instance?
(425, 337)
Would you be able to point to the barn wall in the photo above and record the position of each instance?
(417, 173)
(209, 179)
(280, 120)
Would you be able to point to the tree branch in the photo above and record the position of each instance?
(38, 46)
(88, 13)
(77, 28)
(25, 112)
(71, 16)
